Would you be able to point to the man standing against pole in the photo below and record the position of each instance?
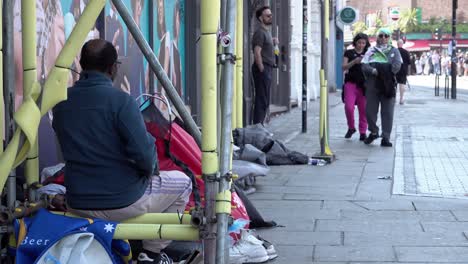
(264, 60)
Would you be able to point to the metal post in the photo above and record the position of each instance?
(158, 70)
(9, 89)
(304, 66)
(210, 11)
(223, 200)
(454, 53)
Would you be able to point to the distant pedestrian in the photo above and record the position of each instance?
(418, 64)
(380, 64)
(427, 64)
(412, 70)
(435, 59)
(264, 60)
(402, 74)
(354, 91)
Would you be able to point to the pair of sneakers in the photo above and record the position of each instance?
(251, 249)
(384, 143)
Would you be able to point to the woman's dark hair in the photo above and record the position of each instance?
(259, 11)
(361, 36)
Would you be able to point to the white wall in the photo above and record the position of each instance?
(313, 50)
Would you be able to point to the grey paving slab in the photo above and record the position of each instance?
(443, 216)
(266, 196)
(294, 254)
(432, 254)
(387, 205)
(341, 195)
(343, 205)
(405, 238)
(303, 206)
(442, 204)
(369, 226)
(295, 238)
(445, 226)
(460, 215)
(344, 253)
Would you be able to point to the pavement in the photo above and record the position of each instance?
(405, 204)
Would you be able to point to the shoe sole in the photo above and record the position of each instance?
(257, 260)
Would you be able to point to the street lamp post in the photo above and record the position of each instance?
(454, 54)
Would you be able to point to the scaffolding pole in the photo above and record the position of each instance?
(9, 90)
(28, 34)
(223, 199)
(158, 70)
(210, 15)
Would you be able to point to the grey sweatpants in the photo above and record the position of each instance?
(387, 106)
(168, 192)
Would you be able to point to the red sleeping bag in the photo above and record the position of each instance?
(184, 148)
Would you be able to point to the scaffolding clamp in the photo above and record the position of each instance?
(214, 177)
(227, 57)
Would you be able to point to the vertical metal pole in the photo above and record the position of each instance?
(454, 50)
(158, 70)
(208, 46)
(2, 98)
(304, 66)
(9, 86)
(151, 88)
(224, 197)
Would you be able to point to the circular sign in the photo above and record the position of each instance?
(395, 14)
(348, 15)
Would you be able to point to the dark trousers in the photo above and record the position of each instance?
(262, 81)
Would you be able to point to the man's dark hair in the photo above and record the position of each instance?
(259, 12)
(98, 55)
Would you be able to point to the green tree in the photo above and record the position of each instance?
(359, 27)
(408, 20)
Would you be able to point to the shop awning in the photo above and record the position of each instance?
(417, 45)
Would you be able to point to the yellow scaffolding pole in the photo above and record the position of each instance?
(28, 116)
(28, 33)
(210, 15)
(239, 66)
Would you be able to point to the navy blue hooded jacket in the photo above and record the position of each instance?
(108, 153)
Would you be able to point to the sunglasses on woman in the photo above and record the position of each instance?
(384, 35)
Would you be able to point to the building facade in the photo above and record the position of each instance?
(428, 8)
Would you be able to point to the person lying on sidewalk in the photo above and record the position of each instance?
(380, 64)
(111, 163)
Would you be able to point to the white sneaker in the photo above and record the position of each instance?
(249, 236)
(245, 252)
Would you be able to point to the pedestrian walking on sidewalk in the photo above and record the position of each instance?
(403, 72)
(264, 60)
(380, 64)
(353, 89)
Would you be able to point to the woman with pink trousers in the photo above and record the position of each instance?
(353, 89)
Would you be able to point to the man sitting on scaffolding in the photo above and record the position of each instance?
(111, 165)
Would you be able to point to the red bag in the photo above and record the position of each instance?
(187, 155)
